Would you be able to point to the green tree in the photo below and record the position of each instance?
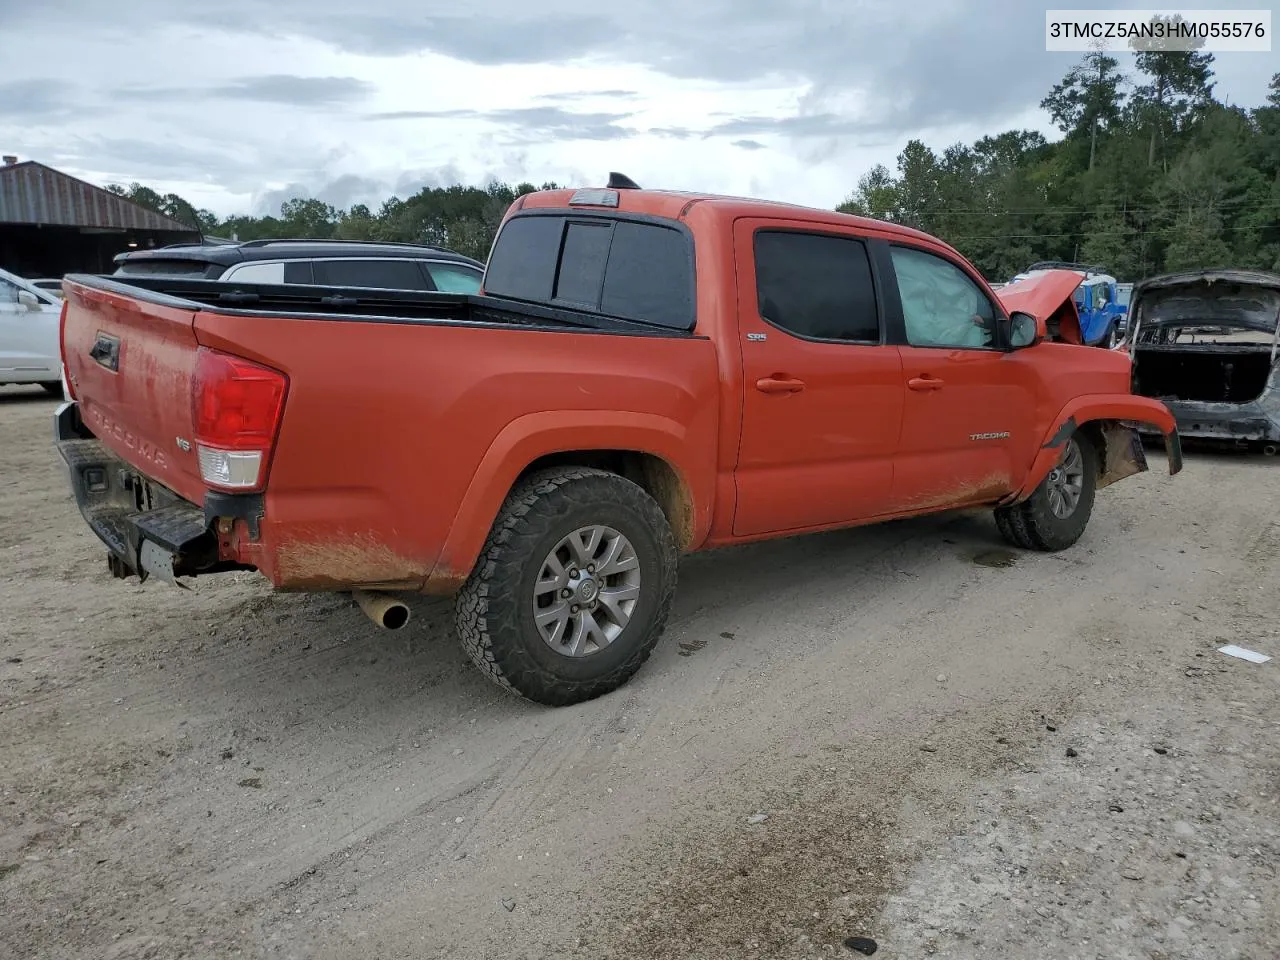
(1088, 101)
(308, 218)
(876, 195)
(1178, 83)
(918, 196)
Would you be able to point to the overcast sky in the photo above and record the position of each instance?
(238, 104)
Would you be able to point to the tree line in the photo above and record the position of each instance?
(1152, 173)
(459, 217)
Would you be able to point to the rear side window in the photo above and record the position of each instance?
(621, 268)
(382, 274)
(256, 273)
(454, 278)
(816, 286)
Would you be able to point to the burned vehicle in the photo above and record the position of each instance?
(1204, 343)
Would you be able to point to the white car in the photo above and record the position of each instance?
(29, 322)
(48, 285)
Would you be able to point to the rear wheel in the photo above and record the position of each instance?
(53, 386)
(573, 587)
(1055, 515)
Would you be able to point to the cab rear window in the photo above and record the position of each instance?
(622, 268)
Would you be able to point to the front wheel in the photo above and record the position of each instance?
(573, 587)
(1055, 515)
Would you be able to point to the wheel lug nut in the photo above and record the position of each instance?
(573, 572)
(566, 593)
(591, 568)
(574, 609)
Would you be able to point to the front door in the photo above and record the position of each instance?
(822, 393)
(964, 413)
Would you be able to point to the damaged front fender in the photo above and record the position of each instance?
(1111, 423)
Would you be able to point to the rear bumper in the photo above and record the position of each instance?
(1245, 422)
(147, 529)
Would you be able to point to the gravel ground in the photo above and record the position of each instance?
(900, 733)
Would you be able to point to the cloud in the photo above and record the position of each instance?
(39, 100)
(580, 95)
(532, 123)
(210, 105)
(287, 89)
(296, 91)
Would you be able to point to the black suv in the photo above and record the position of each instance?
(337, 263)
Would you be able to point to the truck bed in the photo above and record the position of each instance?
(406, 419)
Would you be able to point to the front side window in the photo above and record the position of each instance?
(816, 286)
(941, 304)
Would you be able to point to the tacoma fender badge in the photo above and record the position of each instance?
(183, 444)
(989, 436)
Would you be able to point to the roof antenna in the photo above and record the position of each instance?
(620, 181)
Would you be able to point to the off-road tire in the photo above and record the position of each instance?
(53, 386)
(1032, 524)
(494, 610)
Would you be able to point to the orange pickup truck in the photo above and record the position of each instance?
(644, 374)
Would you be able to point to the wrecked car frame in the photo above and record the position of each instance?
(1205, 343)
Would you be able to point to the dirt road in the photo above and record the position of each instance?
(859, 734)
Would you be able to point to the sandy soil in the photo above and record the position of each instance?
(865, 733)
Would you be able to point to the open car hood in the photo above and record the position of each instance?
(1041, 294)
(1241, 299)
(1047, 296)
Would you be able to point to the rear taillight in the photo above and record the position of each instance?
(62, 352)
(235, 406)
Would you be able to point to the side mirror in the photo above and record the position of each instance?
(1025, 330)
(28, 299)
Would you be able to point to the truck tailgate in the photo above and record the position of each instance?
(131, 365)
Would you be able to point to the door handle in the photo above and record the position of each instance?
(924, 383)
(779, 385)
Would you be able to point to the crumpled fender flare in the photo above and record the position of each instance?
(1110, 407)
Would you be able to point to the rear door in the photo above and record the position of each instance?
(822, 404)
(131, 363)
(965, 411)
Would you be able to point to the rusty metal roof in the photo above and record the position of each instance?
(30, 192)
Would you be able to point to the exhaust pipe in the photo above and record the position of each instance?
(387, 612)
